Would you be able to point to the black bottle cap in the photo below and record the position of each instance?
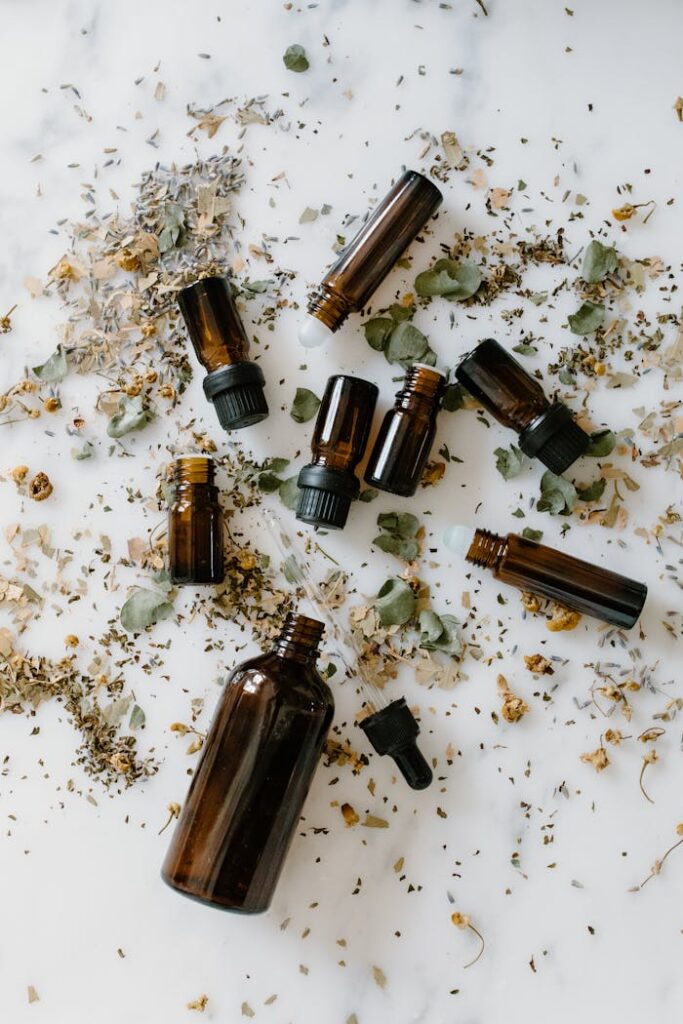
(393, 731)
(554, 438)
(325, 496)
(237, 393)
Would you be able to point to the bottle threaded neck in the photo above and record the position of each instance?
(486, 549)
(194, 469)
(329, 307)
(299, 635)
(423, 380)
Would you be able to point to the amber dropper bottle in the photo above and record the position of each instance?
(257, 764)
(369, 256)
(195, 523)
(549, 573)
(405, 439)
(547, 431)
(328, 484)
(233, 384)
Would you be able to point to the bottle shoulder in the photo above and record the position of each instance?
(287, 679)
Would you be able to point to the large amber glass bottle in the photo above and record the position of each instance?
(370, 255)
(195, 523)
(258, 761)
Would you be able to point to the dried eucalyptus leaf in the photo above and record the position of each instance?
(288, 491)
(143, 608)
(368, 494)
(55, 368)
(275, 464)
(599, 260)
(377, 332)
(558, 496)
(601, 443)
(454, 397)
(532, 534)
(295, 58)
(449, 279)
(172, 225)
(588, 317)
(431, 626)
(524, 349)
(137, 717)
(132, 415)
(401, 547)
(591, 492)
(268, 482)
(304, 406)
(395, 603)
(309, 215)
(509, 462)
(621, 380)
(440, 633)
(400, 536)
(85, 452)
(406, 345)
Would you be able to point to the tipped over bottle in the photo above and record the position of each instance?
(547, 431)
(544, 571)
(369, 256)
(233, 383)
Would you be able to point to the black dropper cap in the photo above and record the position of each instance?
(554, 438)
(325, 496)
(237, 394)
(393, 731)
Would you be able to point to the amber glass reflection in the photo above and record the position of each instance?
(502, 385)
(213, 323)
(256, 767)
(195, 524)
(343, 423)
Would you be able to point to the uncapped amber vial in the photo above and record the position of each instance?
(400, 452)
(195, 523)
(233, 383)
(549, 573)
(328, 484)
(547, 431)
(370, 255)
(256, 767)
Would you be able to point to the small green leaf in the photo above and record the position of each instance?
(295, 58)
(566, 377)
(395, 603)
(172, 227)
(439, 633)
(398, 312)
(86, 451)
(288, 491)
(377, 332)
(509, 463)
(268, 482)
(275, 464)
(132, 415)
(558, 496)
(304, 406)
(530, 534)
(54, 369)
(406, 345)
(403, 548)
(368, 494)
(454, 397)
(292, 570)
(137, 717)
(450, 279)
(524, 349)
(309, 215)
(602, 442)
(599, 260)
(399, 538)
(588, 317)
(592, 491)
(143, 608)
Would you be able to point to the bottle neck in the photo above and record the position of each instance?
(193, 469)
(487, 549)
(299, 639)
(423, 388)
(329, 307)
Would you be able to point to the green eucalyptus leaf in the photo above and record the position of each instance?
(395, 603)
(398, 312)
(292, 570)
(268, 482)
(295, 58)
(525, 349)
(431, 626)
(592, 491)
(406, 345)
(558, 496)
(275, 464)
(288, 491)
(86, 451)
(304, 406)
(54, 369)
(399, 538)
(377, 332)
(588, 317)
(454, 397)
(450, 279)
(602, 442)
(137, 717)
(599, 260)
(143, 608)
(440, 633)
(530, 534)
(509, 462)
(132, 415)
(402, 547)
(172, 227)
(368, 494)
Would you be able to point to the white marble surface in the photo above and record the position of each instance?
(79, 879)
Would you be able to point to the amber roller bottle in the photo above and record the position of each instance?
(328, 484)
(542, 570)
(233, 384)
(257, 764)
(369, 256)
(547, 431)
(195, 523)
(400, 452)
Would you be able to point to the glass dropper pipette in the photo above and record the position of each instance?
(390, 726)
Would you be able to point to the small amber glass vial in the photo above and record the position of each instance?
(405, 439)
(233, 383)
(547, 431)
(370, 255)
(195, 523)
(328, 484)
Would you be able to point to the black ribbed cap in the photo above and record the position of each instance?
(555, 438)
(325, 496)
(394, 731)
(237, 394)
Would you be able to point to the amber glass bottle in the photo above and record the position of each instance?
(328, 484)
(547, 431)
(246, 796)
(370, 255)
(195, 523)
(542, 570)
(405, 439)
(233, 384)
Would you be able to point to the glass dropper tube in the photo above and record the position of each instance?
(391, 727)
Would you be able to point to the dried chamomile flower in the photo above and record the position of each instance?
(40, 487)
(537, 664)
(598, 758)
(465, 921)
(562, 619)
(513, 707)
(531, 602)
